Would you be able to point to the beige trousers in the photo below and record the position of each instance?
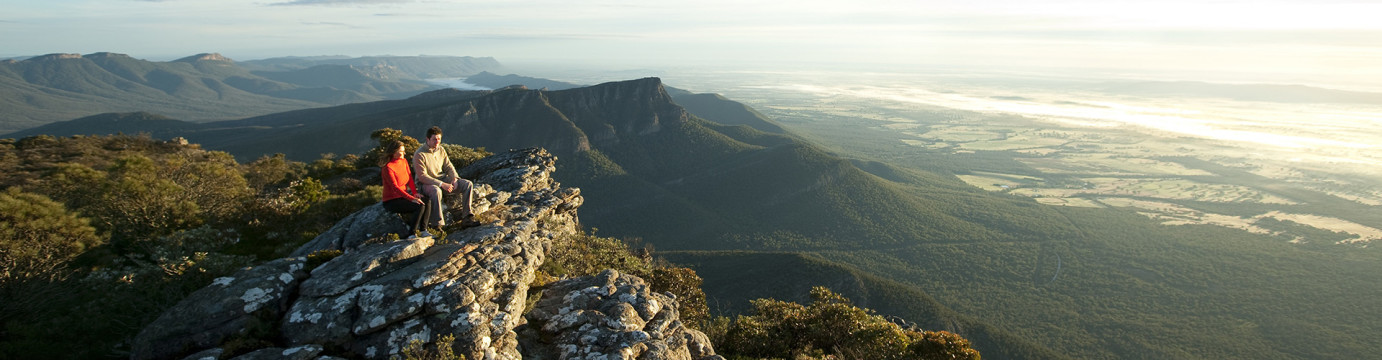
(464, 189)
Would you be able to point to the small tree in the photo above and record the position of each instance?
(383, 137)
(270, 170)
(140, 202)
(307, 192)
(38, 237)
(213, 181)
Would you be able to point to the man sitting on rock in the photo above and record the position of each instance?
(434, 174)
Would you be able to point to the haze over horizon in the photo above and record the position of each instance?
(1299, 41)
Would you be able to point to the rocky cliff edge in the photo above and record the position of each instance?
(376, 296)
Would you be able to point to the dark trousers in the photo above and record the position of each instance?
(413, 212)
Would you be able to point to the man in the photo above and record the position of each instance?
(434, 174)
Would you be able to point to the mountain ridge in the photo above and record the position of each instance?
(205, 57)
(204, 87)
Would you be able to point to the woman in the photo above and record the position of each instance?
(399, 191)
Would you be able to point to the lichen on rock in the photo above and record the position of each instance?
(615, 316)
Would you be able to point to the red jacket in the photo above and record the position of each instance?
(398, 180)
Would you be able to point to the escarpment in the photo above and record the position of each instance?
(354, 293)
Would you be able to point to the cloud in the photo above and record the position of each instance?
(544, 36)
(414, 15)
(335, 24)
(341, 2)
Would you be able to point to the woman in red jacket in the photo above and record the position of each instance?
(400, 195)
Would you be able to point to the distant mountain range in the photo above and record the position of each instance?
(711, 175)
(496, 81)
(760, 212)
(405, 67)
(206, 87)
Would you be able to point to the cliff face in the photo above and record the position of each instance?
(379, 295)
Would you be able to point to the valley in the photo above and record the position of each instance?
(1249, 219)
(1162, 157)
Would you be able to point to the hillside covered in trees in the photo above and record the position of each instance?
(103, 233)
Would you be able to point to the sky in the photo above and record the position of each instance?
(1300, 38)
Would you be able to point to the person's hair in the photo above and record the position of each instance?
(389, 148)
(433, 131)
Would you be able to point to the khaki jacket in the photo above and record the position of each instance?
(432, 167)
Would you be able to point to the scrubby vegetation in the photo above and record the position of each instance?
(440, 350)
(38, 237)
(101, 234)
(832, 327)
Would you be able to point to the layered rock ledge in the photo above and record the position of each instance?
(379, 295)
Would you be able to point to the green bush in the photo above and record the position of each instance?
(440, 350)
(175, 217)
(305, 193)
(38, 238)
(684, 283)
(320, 257)
(137, 196)
(384, 137)
(463, 156)
(830, 325)
(268, 171)
(586, 254)
(328, 166)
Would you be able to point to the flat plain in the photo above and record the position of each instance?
(1077, 147)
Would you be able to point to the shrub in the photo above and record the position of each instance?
(686, 285)
(463, 156)
(939, 345)
(831, 324)
(440, 350)
(95, 312)
(136, 197)
(328, 166)
(38, 237)
(383, 137)
(305, 193)
(139, 201)
(320, 257)
(270, 170)
(586, 254)
(36, 142)
(213, 181)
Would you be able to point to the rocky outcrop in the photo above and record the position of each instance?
(378, 295)
(54, 56)
(226, 308)
(205, 57)
(615, 316)
(368, 224)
